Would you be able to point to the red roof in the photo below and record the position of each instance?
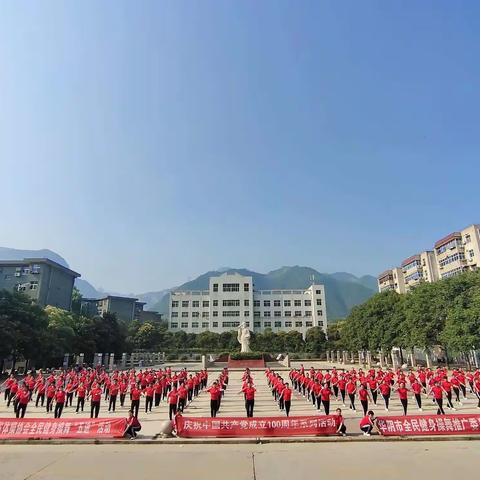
(410, 259)
(447, 239)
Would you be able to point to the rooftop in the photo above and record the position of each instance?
(29, 261)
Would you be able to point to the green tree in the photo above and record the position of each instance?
(315, 341)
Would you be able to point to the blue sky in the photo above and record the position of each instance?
(148, 142)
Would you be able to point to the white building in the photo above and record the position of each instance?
(231, 300)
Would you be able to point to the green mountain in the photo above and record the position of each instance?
(343, 290)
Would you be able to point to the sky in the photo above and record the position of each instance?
(148, 142)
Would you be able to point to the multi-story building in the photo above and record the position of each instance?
(232, 300)
(45, 281)
(391, 280)
(419, 268)
(471, 242)
(450, 255)
(125, 308)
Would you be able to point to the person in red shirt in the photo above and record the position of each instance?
(215, 393)
(249, 392)
(113, 392)
(403, 395)
(148, 398)
(385, 391)
(286, 396)
(417, 390)
(23, 397)
(95, 397)
(8, 383)
(339, 424)
(132, 426)
(364, 396)
(81, 392)
(40, 389)
(182, 397)
(437, 392)
(341, 386)
(325, 396)
(60, 397)
(367, 423)
(123, 392)
(351, 389)
(50, 396)
(172, 402)
(135, 394)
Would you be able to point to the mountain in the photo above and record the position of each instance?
(343, 290)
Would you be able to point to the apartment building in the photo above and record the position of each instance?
(232, 300)
(125, 308)
(419, 268)
(391, 280)
(43, 280)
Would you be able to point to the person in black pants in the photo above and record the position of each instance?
(133, 426)
(60, 402)
(172, 403)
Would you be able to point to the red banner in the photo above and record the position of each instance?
(429, 425)
(31, 428)
(192, 427)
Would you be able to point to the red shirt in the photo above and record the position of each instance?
(249, 393)
(23, 397)
(60, 396)
(363, 394)
(172, 397)
(214, 393)
(325, 394)
(96, 394)
(366, 420)
(351, 387)
(81, 392)
(417, 388)
(437, 393)
(135, 394)
(402, 393)
(287, 394)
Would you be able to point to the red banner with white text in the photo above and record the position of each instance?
(196, 427)
(31, 428)
(429, 425)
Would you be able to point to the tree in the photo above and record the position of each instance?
(315, 340)
(208, 341)
(76, 300)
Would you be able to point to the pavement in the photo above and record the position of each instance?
(378, 461)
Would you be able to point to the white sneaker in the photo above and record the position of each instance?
(420, 410)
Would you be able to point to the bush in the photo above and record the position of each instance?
(184, 358)
(171, 357)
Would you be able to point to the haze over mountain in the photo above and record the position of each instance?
(343, 290)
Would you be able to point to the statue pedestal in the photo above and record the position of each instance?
(260, 363)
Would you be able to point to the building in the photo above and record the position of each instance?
(125, 308)
(43, 280)
(391, 280)
(419, 268)
(231, 300)
(149, 316)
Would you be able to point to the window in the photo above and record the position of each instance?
(468, 238)
(205, 314)
(298, 324)
(278, 324)
(205, 303)
(230, 324)
(318, 292)
(231, 287)
(246, 303)
(286, 303)
(247, 324)
(319, 301)
(309, 324)
(267, 324)
(266, 303)
(266, 314)
(195, 314)
(184, 314)
(215, 287)
(277, 313)
(276, 303)
(215, 313)
(184, 325)
(21, 287)
(215, 303)
(231, 303)
(175, 304)
(320, 323)
(287, 313)
(246, 287)
(174, 325)
(298, 313)
(231, 313)
(35, 268)
(297, 303)
(194, 324)
(204, 324)
(288, 324)
(256, 314)
(33, 285)
(256, 303)
(246, 313)
(185, 304)
(308, 313)
(256, 324)
(195, 304)
(319, 313)
(215, 324)
(307, 303)
(174, 314)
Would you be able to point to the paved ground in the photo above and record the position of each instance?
(393, 460)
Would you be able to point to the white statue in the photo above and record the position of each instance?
(243, 337)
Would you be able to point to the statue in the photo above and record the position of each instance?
(243, 337)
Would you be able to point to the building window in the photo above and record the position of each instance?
(286, 303)
(195, 314)
(215, 313)
(298, 313)
(256, 314)
(256, 303)
(205, 303)
(246, 313)
(230, 313)
(184, 325)
(175, 304)
(267, 324)
(297, 303)
(266, 314)
(287, 313)
(308, 313)
(247, 324)
(318, 292)
(215, 303)
(215, 287)
(278, 324)
(205, 314)
(246, 303)
(174, 325)
(319, 301)
(230, 324)
(277, 313)
(231, 303)
(309, 324)
(33, 285)
(266, 303)
(204, 324)
(174, 314)
(320, 323)
(298, 324)
(246, 287)
(185, 304)
(215, 324)
(256, 324)
(194, 324)
(307, 303)
(319, 313)
(184, 314)
(35, 268)
(195, 304)
(288, 324)
(276, 303)
(231, 287)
